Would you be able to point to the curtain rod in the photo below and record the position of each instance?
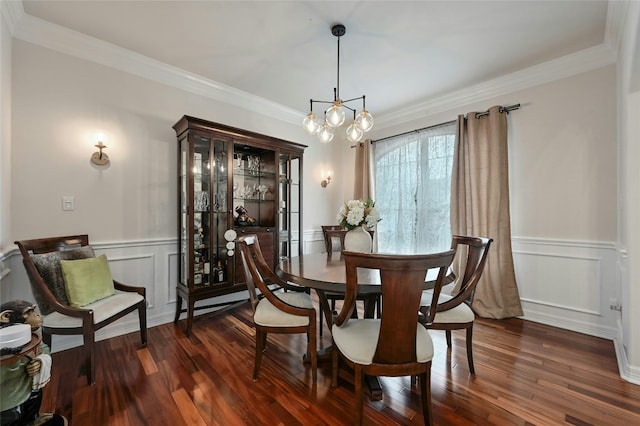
(506, 109)
(435, 126)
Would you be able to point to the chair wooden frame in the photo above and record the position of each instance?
(402, 280)
(477, 250)
(260, 277)
(86, 316)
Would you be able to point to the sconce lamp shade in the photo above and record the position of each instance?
(100, 158)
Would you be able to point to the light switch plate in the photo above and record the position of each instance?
(68, 203)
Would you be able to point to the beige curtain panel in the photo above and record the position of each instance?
(362, 174)
(480, 207)
(363, 188)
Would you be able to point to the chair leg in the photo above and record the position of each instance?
(320, 321)
(425, 391)
(261, 338)
(312, 349)
(142, 314)
(448, 335)
(470, 349)
(359, 393)
(90, 365)
(46, 339)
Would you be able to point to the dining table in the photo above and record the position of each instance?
(325, 272)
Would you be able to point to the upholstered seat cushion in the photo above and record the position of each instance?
(269, 316)
(357, 341)
(460, 314)
(102, 309)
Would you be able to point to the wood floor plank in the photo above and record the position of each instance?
(526, 374)
(187, 408)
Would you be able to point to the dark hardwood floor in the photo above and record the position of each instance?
(526, 374)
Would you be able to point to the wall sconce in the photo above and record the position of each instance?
(326, 181)
(100, 158)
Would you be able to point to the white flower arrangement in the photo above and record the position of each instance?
(355, 213)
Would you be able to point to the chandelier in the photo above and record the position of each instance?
(335, 115)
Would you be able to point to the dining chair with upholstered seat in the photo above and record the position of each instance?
(334, 244)
(274, 311)
(69, 303)
(454, 312)
(394, 344)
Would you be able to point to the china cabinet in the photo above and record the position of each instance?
(231, 182)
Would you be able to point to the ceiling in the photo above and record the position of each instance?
(397, 53)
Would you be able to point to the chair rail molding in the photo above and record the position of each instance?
(562, 283)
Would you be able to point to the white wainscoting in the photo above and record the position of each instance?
(567, 284)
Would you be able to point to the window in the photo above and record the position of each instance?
(412, 190)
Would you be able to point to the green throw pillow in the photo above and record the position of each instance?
(87, 280)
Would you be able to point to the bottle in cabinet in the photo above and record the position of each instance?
(220, 272)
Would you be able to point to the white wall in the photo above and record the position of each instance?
(628, 343)
(61, 101)
(5, 135)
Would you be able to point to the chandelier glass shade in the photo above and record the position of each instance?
(335, 115)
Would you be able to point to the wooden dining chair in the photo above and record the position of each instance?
(454, 312)
(334, 244)
(60, 315)
(395, 344)
(275, 311)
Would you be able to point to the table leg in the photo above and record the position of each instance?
(324, 305)
(370, 305)
(324, 354)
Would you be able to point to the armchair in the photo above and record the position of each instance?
(282, 312)
(42, 260)
(454, 312)
(395, 344)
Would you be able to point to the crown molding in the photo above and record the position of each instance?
(614, 28)
(566, 66)
(61, 39)
(12, 12)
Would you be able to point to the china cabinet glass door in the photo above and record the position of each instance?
(289, 205)
(204, 214)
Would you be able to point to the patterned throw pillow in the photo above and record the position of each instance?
(48, 266)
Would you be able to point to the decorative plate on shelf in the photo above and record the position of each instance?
(230, 235)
